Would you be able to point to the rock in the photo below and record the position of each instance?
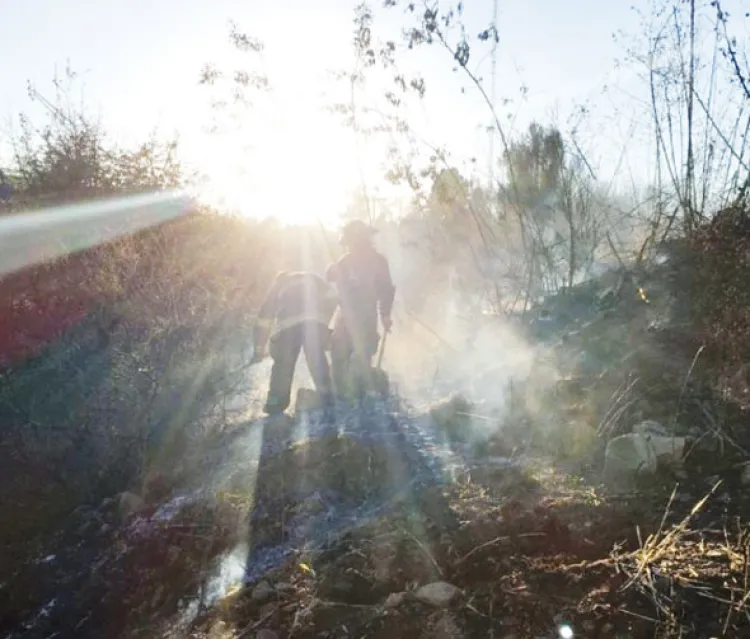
(263, 592)
(668, 450)
(745, 474)
(266, 634)
(129, 504)
(439, 594)
(651, 427)
(394, 600)
(628, 456)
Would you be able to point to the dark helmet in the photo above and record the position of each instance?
(356, 231)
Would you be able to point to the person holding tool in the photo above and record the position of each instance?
(363, 280)
(295, 317)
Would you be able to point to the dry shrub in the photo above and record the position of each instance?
(719, 290)
(147, 336)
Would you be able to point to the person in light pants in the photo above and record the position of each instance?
(293, 318)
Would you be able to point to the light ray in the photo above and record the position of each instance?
(44, 235)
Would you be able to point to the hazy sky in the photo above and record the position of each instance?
(139, 62)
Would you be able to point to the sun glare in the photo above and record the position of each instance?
(289, 204)
(305, 173)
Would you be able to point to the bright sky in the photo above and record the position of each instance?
(140, 61)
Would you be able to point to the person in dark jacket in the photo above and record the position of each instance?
(366, 291)
(295, 317)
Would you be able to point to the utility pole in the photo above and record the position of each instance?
(491, 167)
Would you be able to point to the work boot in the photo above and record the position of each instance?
(273, 410)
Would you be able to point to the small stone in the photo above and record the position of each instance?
(263, 592)
(438, 594)
(745, 475)
(129, 504)
(394, 600)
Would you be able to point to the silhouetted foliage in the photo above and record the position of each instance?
(69, 157)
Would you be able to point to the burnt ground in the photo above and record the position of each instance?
(531, 550)
(532, 547)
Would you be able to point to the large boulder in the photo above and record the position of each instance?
(634, 455)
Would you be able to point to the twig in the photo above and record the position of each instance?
(476, 416)
(343, 604)
(685, 383)
(254, 626)
(614, 412)
(424, 549)
(723, 435)
(497, 540)
(586, 565)
(637, 616)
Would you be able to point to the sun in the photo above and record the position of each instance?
(299, 174)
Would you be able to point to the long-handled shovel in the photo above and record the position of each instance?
(379, 376)
(381, 349)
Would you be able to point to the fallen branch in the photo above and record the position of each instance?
(497, 540)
